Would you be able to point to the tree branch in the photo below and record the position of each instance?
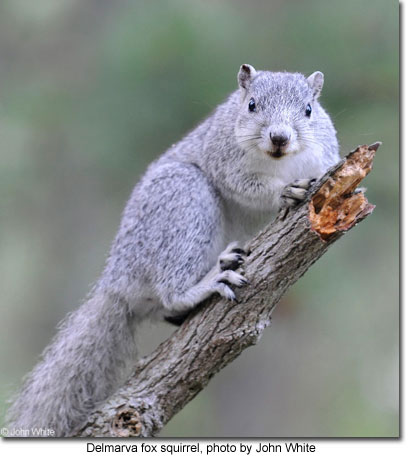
(218, 331)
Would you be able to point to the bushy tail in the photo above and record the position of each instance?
(81, 367)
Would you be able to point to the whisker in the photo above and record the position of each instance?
(249, 136)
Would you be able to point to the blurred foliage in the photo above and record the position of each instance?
(91, 92)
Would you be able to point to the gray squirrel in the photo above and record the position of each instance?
(181, 237)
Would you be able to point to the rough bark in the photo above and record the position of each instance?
(216, 333)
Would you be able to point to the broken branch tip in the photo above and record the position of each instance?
(374, 146)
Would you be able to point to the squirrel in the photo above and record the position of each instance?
(181, 236)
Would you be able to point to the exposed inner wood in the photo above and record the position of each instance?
(126, 423)
(336, 206)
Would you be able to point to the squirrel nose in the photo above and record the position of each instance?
(279, 140)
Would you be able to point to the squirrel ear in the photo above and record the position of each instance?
(245, 76)
(315, 81)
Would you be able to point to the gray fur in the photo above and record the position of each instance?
(218, 184)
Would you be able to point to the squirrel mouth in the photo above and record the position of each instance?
(276, 154)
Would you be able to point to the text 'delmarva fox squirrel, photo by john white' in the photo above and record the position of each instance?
(181, 237)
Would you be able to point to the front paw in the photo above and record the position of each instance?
(232, 257)
(296, 192)
(228, 261)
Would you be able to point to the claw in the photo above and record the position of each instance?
(231, 258)
(295, 193)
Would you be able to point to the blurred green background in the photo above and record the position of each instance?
(91, 92)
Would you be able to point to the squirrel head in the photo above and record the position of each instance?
(278, 111)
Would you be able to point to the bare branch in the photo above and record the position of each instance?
(216, 333)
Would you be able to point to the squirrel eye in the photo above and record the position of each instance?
(308, 111)
(252, 105)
